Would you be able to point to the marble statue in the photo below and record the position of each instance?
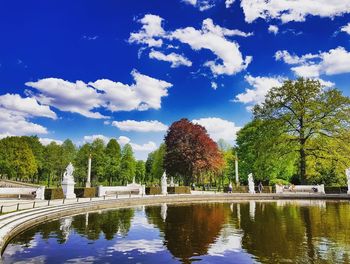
(172, 184)
(164, 184)
(251, 183)
(68, 182)
(347, 172)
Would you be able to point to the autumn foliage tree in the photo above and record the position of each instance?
(190, 152)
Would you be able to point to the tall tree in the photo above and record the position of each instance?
(127, 164)
(190, 152)
(98, 160)
(140, 171)
(148, 167)
(52, 165)
(113, 155)
(308, 112)
(38, 151)
(81, 163)
(157, 169)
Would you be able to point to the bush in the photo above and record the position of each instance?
(53, 193)
(84, 192)
(279, 181)
(153, 190)
(179, 190)
(335, 190)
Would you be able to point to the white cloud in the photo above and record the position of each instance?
(260, 87)
(25, 106)
(293, 10)
(213, 38)
(150, 33)
(175, 59)
(219, 128)
(229, 3)
(47, 141)
(14, 124)
(15, 113)
(92, 138)
(82, 98)
(273, 29)
(141, 245)
(214, 85)
(147, 147)
(202, 5)
(334, 61)
(346, 28)
(140, 126)
(122, 140)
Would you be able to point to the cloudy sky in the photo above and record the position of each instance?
(127, 69)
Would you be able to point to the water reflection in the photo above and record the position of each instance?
(247, 232)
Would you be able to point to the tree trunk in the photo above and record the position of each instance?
(302, 165)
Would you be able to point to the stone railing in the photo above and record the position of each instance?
(115, 190)
(319, 189)
(36, 192)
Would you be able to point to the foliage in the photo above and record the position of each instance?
(113, 156)
(314, 121)
(98, 160)
(53, 193)
(84, 192)
(190, 152)
(140, 171)
(127, 165)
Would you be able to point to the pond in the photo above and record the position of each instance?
(244, 232)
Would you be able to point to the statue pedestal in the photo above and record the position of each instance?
(68, 189)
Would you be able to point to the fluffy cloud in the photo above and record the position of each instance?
(334, 61)
(292, 10)
(47, 141)
(259, 88)
(214, 85)
(25, 106)
(140, 126)
(202, 5)
(15, 113)
(229, 3)
(229, 59)
(346, 28)
(213, 38)
(219, 128)
(150, 33)
(175, 59)
(273, 29)
(82, 98)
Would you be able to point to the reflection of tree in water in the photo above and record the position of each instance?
(108, 222)
(189, 230)
(298, 234)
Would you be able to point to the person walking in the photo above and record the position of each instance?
(260, 187)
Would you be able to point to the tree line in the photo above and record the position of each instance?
(26, 159)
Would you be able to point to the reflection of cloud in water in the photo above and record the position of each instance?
(85, 260)
(141, 245)
(140, 221)
(319, 203)
(13, 249)
(34, 260)
(229, 241)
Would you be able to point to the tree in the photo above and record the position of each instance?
(38, 151)
(308, 113)
(264, 150)
(52, 164)
(81, 163)
(98, 160)
(113, 156)
(148, 167)
(190, 152)
(157, 169)
(68, 153)
(127, 164)
(140, 171)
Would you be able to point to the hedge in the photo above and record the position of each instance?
(53, 193)
(179, 190)
(153, 190)
(84, 192)
(335, 190)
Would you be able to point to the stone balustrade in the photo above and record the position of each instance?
(319, 189)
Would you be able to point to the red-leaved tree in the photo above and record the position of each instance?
(190, 152)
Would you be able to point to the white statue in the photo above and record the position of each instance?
(164, 184)
(172, 184)
(347, 172)
(68, 182)
(251, 183)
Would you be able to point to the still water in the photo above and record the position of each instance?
(246, 232)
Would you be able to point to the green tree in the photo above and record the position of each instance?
(81, 163)
(148, 167)
(157, 169)
(127, 165)
(140, 171)
(308, 113)
(38, 151)
(113, 156)
(98, 161)
(69, 151)
(52, 167)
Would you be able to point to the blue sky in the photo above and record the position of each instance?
(128, 69)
